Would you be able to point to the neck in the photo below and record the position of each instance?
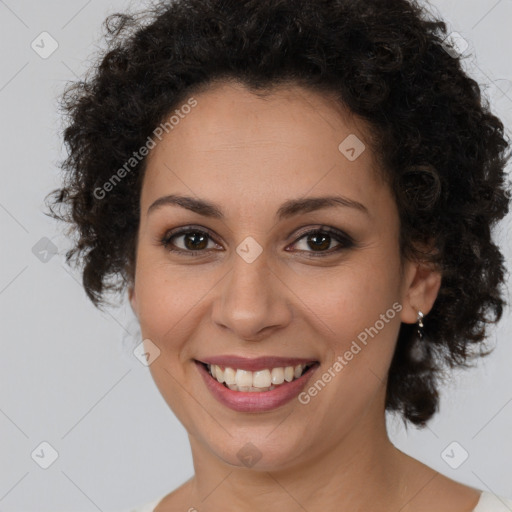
(360, 470)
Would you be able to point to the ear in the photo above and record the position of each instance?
(133, 300)
(422, 282)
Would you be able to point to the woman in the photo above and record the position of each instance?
(298, 198)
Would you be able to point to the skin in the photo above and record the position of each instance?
(249, 155)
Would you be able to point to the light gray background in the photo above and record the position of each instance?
(67, 376)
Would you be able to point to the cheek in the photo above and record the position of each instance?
(163, 298)
(167, 302)
(358, 314)
(349, 299)
(356, 309)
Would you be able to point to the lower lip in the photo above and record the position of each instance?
(257, 401)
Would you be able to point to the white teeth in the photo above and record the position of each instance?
(243, 378)
(288, 373)
(246, 389)
(229, 375)
(261, 380)
(277, 375)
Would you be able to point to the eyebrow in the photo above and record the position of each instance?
(288, 209)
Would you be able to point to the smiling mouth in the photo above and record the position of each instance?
(266, 379)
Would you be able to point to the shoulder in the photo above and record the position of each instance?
(492, 503)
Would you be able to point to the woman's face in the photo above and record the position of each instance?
(250, 282)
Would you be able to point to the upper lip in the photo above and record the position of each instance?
(255, 364)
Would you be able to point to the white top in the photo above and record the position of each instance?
(488, 503)
(491, 503)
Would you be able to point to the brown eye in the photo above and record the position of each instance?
(319, 241)
(187, 241)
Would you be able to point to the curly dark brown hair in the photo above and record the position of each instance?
(442, 151)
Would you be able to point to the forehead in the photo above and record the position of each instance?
(234, 143)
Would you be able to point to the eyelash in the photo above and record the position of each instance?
(345, 241)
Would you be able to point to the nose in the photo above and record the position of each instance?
(252, 301)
